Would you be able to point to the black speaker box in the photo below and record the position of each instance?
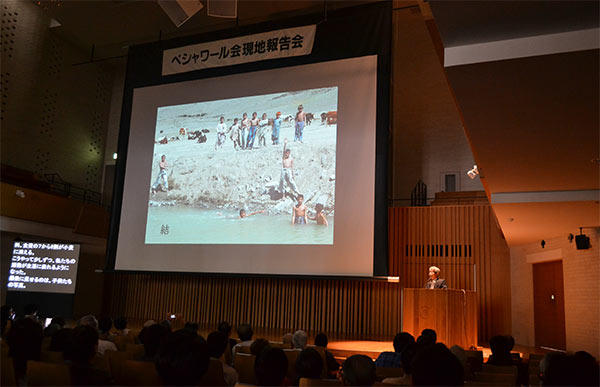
(582, 242)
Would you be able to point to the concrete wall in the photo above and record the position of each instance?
(54, 109)
(428, 138)
(581, 270)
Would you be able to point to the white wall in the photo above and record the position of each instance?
(581, 273)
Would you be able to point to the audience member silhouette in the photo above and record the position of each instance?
(299, 339)
(309, 364)
(271, 367)
(358, 370)
(25, 343)
(435, 365)
(182, 359)
(217, 343)
(394, 359)
(151, 337)
(430, 333)
(104, 326)
(61, 341)
(332, 364)
(258, 346)
(501, 347)
(81, 354)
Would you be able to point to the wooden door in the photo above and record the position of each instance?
(549, 305)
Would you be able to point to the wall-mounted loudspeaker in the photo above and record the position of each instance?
(222, 8)
(582, 241)
(180, 11)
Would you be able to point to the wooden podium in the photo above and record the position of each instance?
(451, 313)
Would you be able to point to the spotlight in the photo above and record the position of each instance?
(473, 172)
(582, 241)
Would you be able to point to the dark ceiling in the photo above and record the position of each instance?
(112, 26)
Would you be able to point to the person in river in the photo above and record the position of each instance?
(243, 213)
(319, 216)
(299, 211)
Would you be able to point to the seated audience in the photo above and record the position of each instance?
(61, 341)
(332, 364)
(217, 343)
(501, 347)
(182, 359)
(7, 313)
(103, 345)
(245, 333)
(225, 328)
(309, 364)
(435, 365)
(287, 341)
(560, 369)
(299, 340)
(51, 330)
(430, 333)
(358, 370)
(271, 367)
(258, 346)
(394, 359)
(80, 355)
(31, 311)
(408, 355)
(25, 343)
(121, 326)
(104, 326)
(191, 326)
(58, 320)
(151, 337)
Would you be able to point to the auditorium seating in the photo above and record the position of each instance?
(115, 361)
(7, 378)
(387, 372)
(495, 376)
(51, 357)
(138, 373)
(214, 375)
(244, 365)
(306, 382)
(47, 374)
(291, 355)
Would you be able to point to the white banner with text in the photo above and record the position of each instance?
(244, 49)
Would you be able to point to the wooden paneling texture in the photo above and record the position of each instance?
(457, 239)
(359, 308)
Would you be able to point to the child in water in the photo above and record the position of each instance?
(299, 211)
(244, 215)
(319, 216)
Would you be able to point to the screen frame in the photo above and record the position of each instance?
(144, 67)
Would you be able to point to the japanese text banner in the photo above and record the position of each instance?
(251, 48)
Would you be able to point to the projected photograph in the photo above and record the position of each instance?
(253, 170)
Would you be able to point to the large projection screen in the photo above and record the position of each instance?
(187, 219)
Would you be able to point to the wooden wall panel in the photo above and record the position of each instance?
(458, 239)
(466, 244)
(359, 308)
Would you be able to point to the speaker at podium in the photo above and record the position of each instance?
(451, 313)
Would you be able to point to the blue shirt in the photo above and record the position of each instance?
(389, 360)
(277, 123)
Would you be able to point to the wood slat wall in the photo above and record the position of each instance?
(359, 308)
(466, 234)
